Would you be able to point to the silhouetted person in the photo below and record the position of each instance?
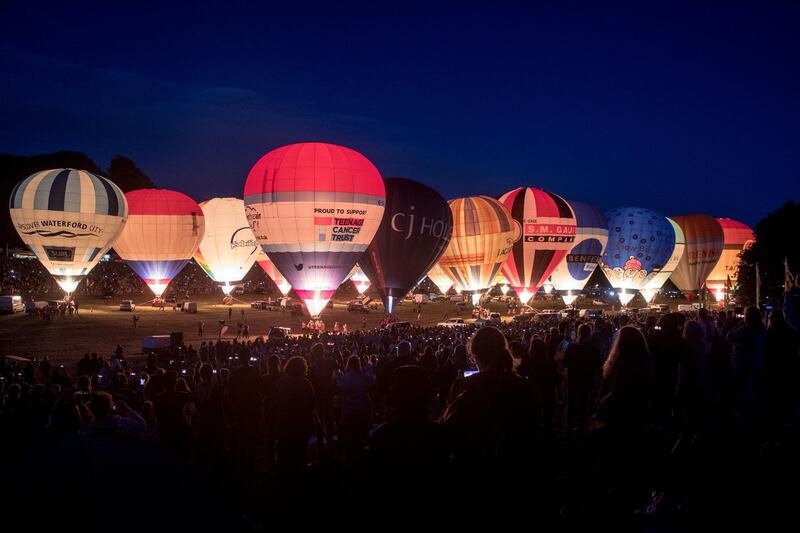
(169, 406)
(583, 364)
(294, 408)
(747, 361)
(355, 409)
(323, 378)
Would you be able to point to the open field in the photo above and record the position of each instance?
(100, 326)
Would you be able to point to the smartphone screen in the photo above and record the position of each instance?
(468, 373)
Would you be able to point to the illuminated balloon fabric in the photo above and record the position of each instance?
(483, 234)
(69, 219)
(314, 208)
(359, 280)
(738, 237)
(640, 242)
(163, 231)
(440, 278)
(269, 269)
(651, 288)
(548, 233)
(413, 235)
(228, 248)
(591, 236)
(704, 243)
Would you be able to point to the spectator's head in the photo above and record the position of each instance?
(297, 367)
(538, 349)
(624, 320)
(317, 352)
(584, 333)
(410, 390)
(84, 383)
(629, 360)
(101, 405)
(206, 373)
(490, 350)
(752, 316)
(776, 319)
(273, 365)
(353, 364)
(693, 333)
(404, 349)
(65, 418)
(170, 380)
(181, 385)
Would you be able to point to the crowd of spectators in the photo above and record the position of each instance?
(655, 420)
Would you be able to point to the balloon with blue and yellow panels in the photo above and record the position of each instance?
(69, 218)
(640, 242)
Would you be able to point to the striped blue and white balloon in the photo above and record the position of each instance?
(69, 218)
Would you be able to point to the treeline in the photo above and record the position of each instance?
(14, 168)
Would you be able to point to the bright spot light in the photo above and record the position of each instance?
(525, 296)
(548, 287)
(504, 289)
(625, 297)
(158, 287)
(476, 298)
(316, 304)
(227, 288)
(68, 285)
(569, 299)
(361, 286)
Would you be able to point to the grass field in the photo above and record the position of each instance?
(100, 326)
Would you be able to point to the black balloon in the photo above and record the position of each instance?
(415, 230)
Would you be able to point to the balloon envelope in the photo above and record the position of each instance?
(738, 237)
(591, 236)
(413, 235)
(360, 280)
(163, 231)
(440, 278)
(314, 208)
(704, 243)
(654, 284)
(640, 242)
(228, 248)
(69, 219)
(483, 234)
(548, 233)
(269, 269)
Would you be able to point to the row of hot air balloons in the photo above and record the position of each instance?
(315, 215)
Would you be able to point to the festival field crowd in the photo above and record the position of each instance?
(659, 421)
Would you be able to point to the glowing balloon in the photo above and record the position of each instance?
(704, 243)
(440, 278)
(738, 237)
(69, 219)
(415, 231)
(360, 280)
(228, 248)
(654, 284)
(314, 208)
(163, 231)
(269, 269)
(483, 235)
(640, 242)
(591, 235)
(548, 233)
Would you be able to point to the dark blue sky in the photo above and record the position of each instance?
(680, 109)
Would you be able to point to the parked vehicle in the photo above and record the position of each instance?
(189, 307)
(11, 304)
(495, 318)
(33, 307)
(357, 306)
(590, 313)
(278, 333)
(453, 323)
(127, 305)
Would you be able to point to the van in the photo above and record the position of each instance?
(155, 343)
(11, 304)
(457, 298)
(683, 308)
(189, 307)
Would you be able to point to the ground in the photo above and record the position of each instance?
(100, 326)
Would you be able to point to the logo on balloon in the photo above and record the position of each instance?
(404, 223)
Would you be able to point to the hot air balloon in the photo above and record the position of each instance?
(269, 269)
(654, 284)
(69, 218)
(548, 233)
(360, 280)
(415, 231)
(591, 235)
(640, 242)
(704, 243)
(483, 235)
(163, 231)
(228, 248)
(314, 208)
(738, 237)
(440, 278)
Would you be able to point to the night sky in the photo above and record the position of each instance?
(680, 109)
